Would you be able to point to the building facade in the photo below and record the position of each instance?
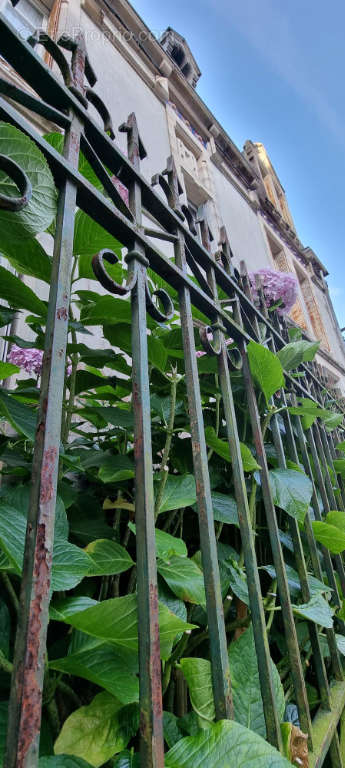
(156, 77)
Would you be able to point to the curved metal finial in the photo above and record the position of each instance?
(40, 37)
(153, 309)
(99, 105)
(103, 276)
(235, 360)
(211, 339)
(21, 180)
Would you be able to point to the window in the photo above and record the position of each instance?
(25, 17)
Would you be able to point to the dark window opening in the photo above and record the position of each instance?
(177, 54)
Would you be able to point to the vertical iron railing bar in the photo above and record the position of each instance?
(330, 499)
(314, 554)
(315, 453)
(215, 615)
(317, 655)
(302, 443)
(335, 455)
(273, 731)
(150, 690)
(327, 478)
(278, 559)
(30, 647)
(320, 669)
(329, 457)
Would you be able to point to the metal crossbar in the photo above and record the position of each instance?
(197, 275)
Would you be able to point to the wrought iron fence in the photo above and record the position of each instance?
(197, 276)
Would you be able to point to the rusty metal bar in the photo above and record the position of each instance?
(151, 707)
(278, 559)
(218, 645)
(30, 648)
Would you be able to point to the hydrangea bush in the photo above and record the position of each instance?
(91, 688)
(277, 286)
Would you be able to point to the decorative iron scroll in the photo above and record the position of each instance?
(197, 272)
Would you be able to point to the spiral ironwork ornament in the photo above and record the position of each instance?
(19, 177)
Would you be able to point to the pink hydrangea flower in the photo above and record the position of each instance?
(276, 286)
(30, 360)
(199, 353)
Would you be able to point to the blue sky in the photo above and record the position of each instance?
(273, 72)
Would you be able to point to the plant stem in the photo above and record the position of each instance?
(5, 664)
(272, 605)
(70, 406)
(236, 624)
(10, 590)
(163, 475)
(218, 399)
(252, 503)
(68, 691)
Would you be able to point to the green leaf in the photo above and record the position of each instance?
(339, 466)
(107, 558)
(197, 673)
(315, 585)
(224, 508)
(329, 536)
(237, 580)
(116, 621)
(116, 469)
(107, 310)
(245, 681)
(120, 335)
(292, 491)
(317, 609)
(70, 563)
(40, 211)
(89, 238)
(127, 760)
(337, 518)
(28, 259)
(266, 369)
(7, 369)
(18, 294)
(179, 492)
(172, 732)
(184, 578)
(166, 544)
(333, 421)
(62, 761)
(340, 640)
(110, 666)
(222, 449)
(225, 744)
(340, 446)
(118, 417)
(297, 352)
(98, 731)
(22, 418)
(60, 610)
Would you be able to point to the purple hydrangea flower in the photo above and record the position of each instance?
(276, 286)
(30, 360)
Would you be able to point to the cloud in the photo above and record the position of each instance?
(272, 33)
